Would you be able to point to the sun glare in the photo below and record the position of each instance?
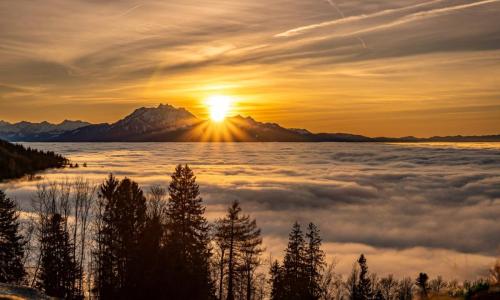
(219, 107)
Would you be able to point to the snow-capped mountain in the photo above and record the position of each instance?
(164, 117)
(22, 131)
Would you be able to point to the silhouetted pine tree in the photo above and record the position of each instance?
(59, 274)
(11, 243)
(120, 230)
(422, 284)
(152, 261)
(295, 279)
(364, 288)
(105, 277)
(315, 262)
(187, 239)
(239, 237)
(276, 281)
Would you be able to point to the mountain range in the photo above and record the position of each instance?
(166, 123)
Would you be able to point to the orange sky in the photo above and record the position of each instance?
(376, 67)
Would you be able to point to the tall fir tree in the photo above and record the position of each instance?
(105, 278)
(364, 288)
(59, 273)
(315, 262)
(295, 279)
(151, 245)
(276, 281)
(121, 227)
(11, 243)
(187, 239)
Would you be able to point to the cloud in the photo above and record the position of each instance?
(347, 74)
(402, 20)
(438, 202)
(345, 20)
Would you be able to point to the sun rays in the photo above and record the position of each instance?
(228, 131)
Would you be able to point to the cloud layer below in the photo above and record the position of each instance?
(410, 208)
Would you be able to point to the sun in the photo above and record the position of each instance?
(219, 107)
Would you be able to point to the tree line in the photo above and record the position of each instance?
(116, 241)
(17, 160)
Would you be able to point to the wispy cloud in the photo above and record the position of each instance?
(322, 74)
(345, 20)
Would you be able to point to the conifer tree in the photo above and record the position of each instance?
(59, 272)
(294, 265)
(106, 282)
(120, 229)
(315, 261)
(187, 239)
(152, 263)
(276, 281)
(11, 243)
(364, 288)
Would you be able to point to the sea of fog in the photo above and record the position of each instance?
(409, 208)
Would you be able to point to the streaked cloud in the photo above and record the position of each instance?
(299, 63)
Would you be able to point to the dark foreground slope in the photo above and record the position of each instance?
(17, 161)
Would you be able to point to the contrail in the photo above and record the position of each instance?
(334, 5)
(426, 14)
(130, 10)
(302, 29)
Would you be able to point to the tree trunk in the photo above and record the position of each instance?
(221, 276)
(249, 284)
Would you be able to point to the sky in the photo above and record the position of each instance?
(372, 67)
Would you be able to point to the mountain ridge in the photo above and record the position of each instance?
(166, 123)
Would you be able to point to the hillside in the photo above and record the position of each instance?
(17, 161)
(24, 131)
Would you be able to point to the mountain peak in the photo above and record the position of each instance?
(163, 117)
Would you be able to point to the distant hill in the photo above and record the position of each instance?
(17, 161)
(166, 123)
(24, 131)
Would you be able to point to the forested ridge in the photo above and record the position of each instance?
(117, 241)
(17, 160)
